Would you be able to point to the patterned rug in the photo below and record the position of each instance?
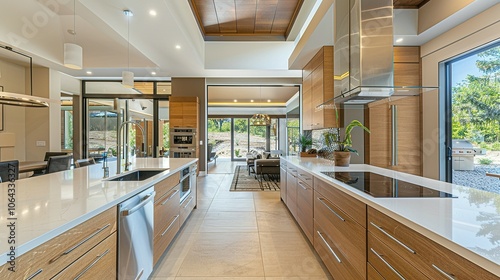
(243, 182)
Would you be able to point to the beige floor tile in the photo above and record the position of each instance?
(203, 203)
(299, 278)
(267, 195)
(269, 205)
(228, 254)
(229, 222)
(220, 278)
(226, 194)
(288, 254)
(276, 221)
(241, 205)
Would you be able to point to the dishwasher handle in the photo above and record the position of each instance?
(145, 200)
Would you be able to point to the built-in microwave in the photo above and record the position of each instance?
(182, 137)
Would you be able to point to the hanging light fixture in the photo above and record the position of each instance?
(23, 100)
(73, 53)
(127, 76)
(260, 119)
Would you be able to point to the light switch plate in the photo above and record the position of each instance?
(40, 143)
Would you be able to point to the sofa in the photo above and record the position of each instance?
(267, 163)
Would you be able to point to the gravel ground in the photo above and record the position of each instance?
(477, 178)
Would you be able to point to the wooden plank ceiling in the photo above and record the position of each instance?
(245, 19)
(264, 20)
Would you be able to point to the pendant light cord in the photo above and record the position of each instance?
(74, 21)
(128, 43)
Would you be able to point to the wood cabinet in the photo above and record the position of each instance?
(48, 259)
(398, 117)
(166, 215)
(183, 111)
(291, 189)
(340, 231)
(402, 247)
(317, 88)
(305, 198)
(283, 178)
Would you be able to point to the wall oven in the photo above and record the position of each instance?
(183, 137)
(185, 183)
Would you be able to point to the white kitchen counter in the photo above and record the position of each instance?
(468, 224)
(48, 205)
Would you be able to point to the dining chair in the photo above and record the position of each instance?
(51, 154)
(84, 162)
(9, 167)
(58, 163)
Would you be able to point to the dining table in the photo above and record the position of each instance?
(32, 166)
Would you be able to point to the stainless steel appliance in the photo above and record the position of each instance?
(185, 183)
(182, 152)
(135, 236)
(183, 137)
(463, 153)
(382, 186)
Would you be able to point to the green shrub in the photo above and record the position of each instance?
(495, 146)
(485, 161)
(484, 145)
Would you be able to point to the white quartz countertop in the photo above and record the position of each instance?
(48, 205)
(468, 224)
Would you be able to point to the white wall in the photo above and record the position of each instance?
(477, 31)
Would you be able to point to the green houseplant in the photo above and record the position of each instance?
(342, 147)
(305, 141)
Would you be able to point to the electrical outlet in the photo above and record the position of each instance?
(40, 143)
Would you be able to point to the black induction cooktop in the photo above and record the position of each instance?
(382, 186)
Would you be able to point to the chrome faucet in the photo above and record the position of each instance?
(119, 145)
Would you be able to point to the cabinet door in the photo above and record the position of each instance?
(307, 109)
(176, 117)
(291, 193)
(305, 199)
(317, 97)
(283, 184)
(380, 137)
(190, 114)
(408, 147)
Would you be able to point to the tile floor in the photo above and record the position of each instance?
(239, 236)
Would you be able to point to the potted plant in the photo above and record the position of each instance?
(305, 141)
(342, 148)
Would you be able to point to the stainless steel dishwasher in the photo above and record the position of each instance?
(135, 236)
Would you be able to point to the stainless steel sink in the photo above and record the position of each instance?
(137, 175)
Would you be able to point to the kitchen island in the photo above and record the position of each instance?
(465, 224)
(47, 206)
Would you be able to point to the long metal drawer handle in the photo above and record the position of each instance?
(163, 203)
(140, 274)
(302, 185)
(91, 265)
(329, 208)
(35, 274)
(171, 224)
(387, 264)
(393, 238)
(79, 243)
(145, 201)
(328, 245)
(189, 201)
(447, 275)
(305, 176)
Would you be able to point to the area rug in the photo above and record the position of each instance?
(243, 182)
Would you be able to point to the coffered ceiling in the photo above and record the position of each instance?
(265, 20)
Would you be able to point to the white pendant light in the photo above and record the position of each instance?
(73, 53)
(128, 76)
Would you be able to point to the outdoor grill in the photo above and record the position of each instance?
(463, 154)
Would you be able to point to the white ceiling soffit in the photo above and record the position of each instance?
(238, 111)
(246, 94)
(108, 88)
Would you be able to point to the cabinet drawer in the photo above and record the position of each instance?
(291, 193)
(332, 257)
(349, 205)
(373, 273)
(52, 256)
(165, 185)
(98, 263)
(389, 264)
(292, 170)
(429, 257)
(283, 184)
(161, 241)
(304, 217)
(186, 207)
(165, 208)
(349, 237)
(306, 177)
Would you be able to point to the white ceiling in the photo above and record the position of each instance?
(39, 28)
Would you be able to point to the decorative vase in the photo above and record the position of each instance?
(341, 158)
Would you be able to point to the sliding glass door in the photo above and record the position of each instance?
(240, 138)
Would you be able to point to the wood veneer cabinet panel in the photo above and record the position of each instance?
(283, 183)
(422, 252)
(349, 205)
(348, 236)
(406, 74)
(291, 190)
(305, 197)
(307, 112)
(407, 54)
(372, 273)
(389, 264)
(98, 263)
(165, 208)
(166, 185)
(54, 255)
(183, 111)
(167, 234)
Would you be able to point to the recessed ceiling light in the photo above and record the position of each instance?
(235, 100)
(178, 47)
(251, 100)
(89, 72)
(153, 73)
(399, 40)
(152, 13)
(269, 100)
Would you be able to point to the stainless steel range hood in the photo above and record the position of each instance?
(363, 58)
